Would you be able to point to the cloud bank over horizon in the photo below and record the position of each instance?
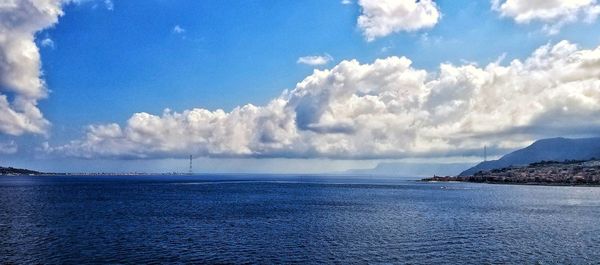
(554, 14)
(385, 109)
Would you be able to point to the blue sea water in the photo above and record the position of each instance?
(293, 219)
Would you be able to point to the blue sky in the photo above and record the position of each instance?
(104, 61)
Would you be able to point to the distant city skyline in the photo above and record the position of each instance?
(290, 86)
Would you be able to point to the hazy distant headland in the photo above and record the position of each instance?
(11, 171)
(17, 171)
(416, 169)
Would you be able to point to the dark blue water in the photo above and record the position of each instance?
(293, 219)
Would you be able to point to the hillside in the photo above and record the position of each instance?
(554, 149)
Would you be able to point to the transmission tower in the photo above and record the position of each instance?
(190, 171)
(484, 153)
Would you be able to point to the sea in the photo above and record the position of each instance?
(291, 219)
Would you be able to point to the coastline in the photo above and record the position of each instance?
(426, 180)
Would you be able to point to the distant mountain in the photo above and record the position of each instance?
(553, 149)
(412, 169)
(16, 171)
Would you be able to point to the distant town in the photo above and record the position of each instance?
(570, 172)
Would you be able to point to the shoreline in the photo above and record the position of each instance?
(515, 183)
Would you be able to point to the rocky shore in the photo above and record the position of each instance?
(545, 172)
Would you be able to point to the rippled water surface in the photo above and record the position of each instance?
(213, 219)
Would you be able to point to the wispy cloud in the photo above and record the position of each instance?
(8, 148)
(178, 29)
(47, 42)
(109, 4)
(95, 4)
(315, 59)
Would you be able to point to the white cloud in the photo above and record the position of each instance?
(380, 18)
(8, 148)
(178, 29)
(315, 59)
(386, 109)
(346, 2)
(553, 13)
(21, 83)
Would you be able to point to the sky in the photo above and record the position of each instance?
(290, 86)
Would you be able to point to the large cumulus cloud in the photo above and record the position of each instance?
(386, 109)
(21, 84)
(380, 18)
(554, 13)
